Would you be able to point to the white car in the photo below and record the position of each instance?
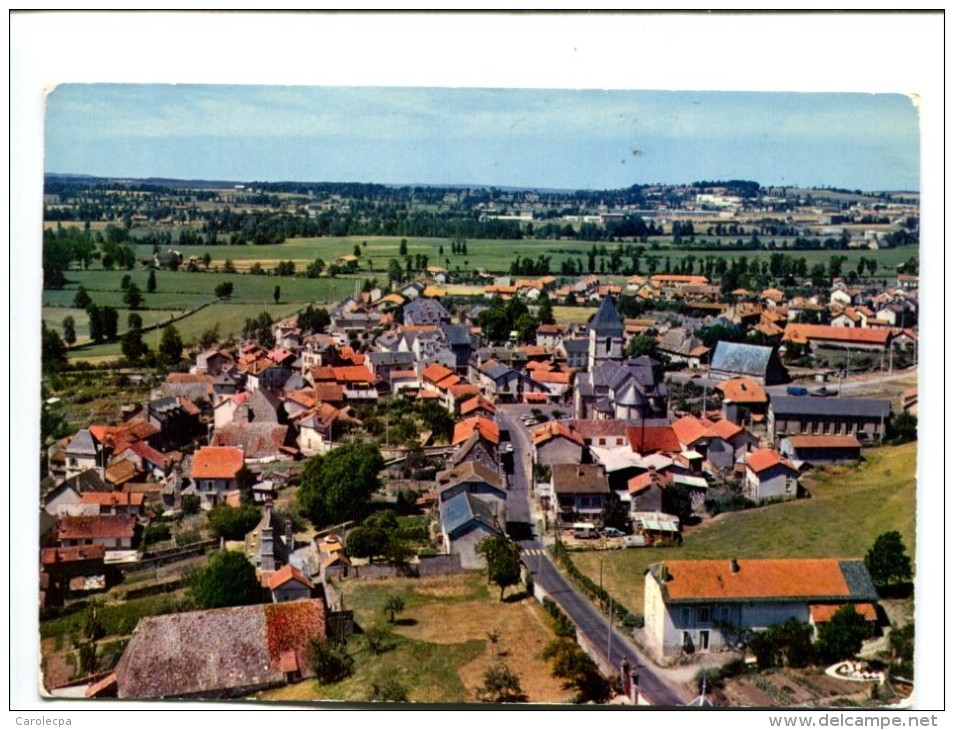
(613, 532)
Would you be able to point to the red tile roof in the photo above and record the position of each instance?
(759, 461)
(742, 390)
(111, 499)
(51, 556)
(98, 526)
(723, 428)
(644, 481)
(329, 392)
(755, 579)
(286, 574)
(646, 439)
(353, 374)
(553, 429)
(463, 390)
(486, 428)
(322, 373)
(449, 381)
(436, 372)
(217, 462)
(824, 442)
(478, 403)
(558, 378)
(822, 613)
(689, 430)
(804, 332)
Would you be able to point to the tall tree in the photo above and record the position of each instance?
(53, 351)
(170, 346)
(151, 281)
(95, 314)
(110, 322)
(133, 296)
(337, 486)
(81, 300)
(228, 579)
(133, 347)
(69, 330)
(503, 560)
(277, 293)
(888, 561)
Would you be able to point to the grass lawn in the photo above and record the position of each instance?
(440, 648)
(565, 315)
(847, 510)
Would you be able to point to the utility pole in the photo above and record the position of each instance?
(609, 632)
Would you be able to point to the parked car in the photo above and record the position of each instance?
(796, 390)
(613, 532)
(584, 530)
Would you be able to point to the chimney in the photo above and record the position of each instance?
(734, 566)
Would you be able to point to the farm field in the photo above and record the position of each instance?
(440, 648)
(848, 508)
(488, 254)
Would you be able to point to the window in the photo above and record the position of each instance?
(703, 614)
(602, 442)
(686, 617)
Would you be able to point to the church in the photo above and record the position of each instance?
(612, 386)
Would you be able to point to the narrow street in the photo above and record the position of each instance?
(594, 626)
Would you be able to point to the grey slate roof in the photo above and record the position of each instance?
(606, 321)
(737, 357)
(88, 481)
(457, 335)
(391, 358)
(82, 443)
(459, 511)
(220, 652)
(579, 345)
(425, 311)
(809, 406)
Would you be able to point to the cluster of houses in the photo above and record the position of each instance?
(205, 433)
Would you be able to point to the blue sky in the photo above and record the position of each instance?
(533, 138)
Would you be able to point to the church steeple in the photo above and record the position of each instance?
(606, 333)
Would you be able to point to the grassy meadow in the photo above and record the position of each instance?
(182, 291)
(438, 648)
(847, 509)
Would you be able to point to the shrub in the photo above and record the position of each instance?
(330, 660)
(191, 504)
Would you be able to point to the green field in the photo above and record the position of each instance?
(848, 508)
(180, 291)
(438, 648)
(491, 255)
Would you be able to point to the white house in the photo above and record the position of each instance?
(689, 605)
(769, 476)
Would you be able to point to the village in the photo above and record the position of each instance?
(403, 436)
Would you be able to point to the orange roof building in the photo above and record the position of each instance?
(743, 390)
(686, 601)
(854, 337)
(484, 427)
(217, 462)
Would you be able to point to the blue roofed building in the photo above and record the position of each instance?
(465, 521)
(741, 360)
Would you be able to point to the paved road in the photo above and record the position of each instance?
(590, 622)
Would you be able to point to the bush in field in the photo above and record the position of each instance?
(330, 660)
